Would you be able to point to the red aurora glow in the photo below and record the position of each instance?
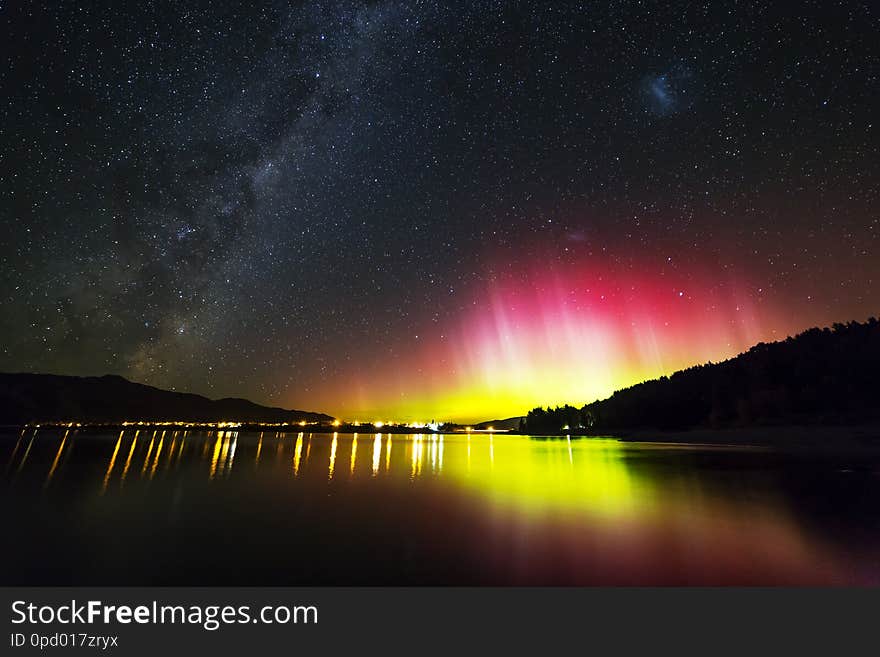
(552, 335)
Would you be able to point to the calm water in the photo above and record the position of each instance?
(208, 507)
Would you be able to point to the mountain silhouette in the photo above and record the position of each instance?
(47, 397)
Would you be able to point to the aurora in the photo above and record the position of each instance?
(549, 335)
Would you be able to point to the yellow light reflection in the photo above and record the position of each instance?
(27, 451)
(171, 449)
(332, 455)
(416, 456)
(388, 453)
(180, 449)
(231, 459)
(377, 453)
(218, 444)
(297, 454)
(224, 452)
(149, 451)
(15, 451)
(158, 454)
(354, 451)
(57, 458)
(539, 475)
(109, 467)
(128, 460)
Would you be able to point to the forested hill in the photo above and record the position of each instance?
(829, 375)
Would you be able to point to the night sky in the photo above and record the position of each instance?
(417, 210)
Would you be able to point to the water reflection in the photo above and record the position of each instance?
(149, 451)
(537, 475)
(528, 472)
(215, 456)
(297, 453)
(58, 457)
(542, 511)
(158, 454)
(15, 450)
(377, 453)
(333, 454)
(416, 448)
(180, 449)
(231, 453)
(109, 467)
(27, 451)
(127, 465)
(531, 473)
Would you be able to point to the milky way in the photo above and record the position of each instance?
(415, 208)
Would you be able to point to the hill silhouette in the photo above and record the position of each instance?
(47, 397)
(821, 376)
(507, 424)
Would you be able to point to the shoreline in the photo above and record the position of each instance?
(807, 436)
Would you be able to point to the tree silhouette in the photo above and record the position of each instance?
(827, 375)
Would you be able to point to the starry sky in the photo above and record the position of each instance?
(423, 210)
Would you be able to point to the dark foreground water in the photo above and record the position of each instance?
(215, 507)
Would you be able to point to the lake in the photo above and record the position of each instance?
(233, 507)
